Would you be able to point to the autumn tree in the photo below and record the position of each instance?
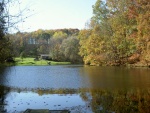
(122, 46)
(114, 36)
(140, 11)
(83, 40)
(100, 30)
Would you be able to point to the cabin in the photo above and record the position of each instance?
(45, 57)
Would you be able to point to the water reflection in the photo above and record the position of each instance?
(75, 88)
(117, 78)
(18, 100)
(83, 100)
(120, 101)
(3, 92)
(41, 77)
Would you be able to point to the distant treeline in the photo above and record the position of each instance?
(60, 44)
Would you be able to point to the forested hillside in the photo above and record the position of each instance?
(117, 34)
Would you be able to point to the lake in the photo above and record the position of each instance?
(77, 88)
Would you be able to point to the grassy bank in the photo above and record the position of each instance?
(30, 61)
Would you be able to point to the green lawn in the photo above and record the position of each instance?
(30, 61)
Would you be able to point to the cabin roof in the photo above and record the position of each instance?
(44, 54)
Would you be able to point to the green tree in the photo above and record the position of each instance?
(7, 21)
(60, 34)
(55, 45)
(5, 45)
(22, 55)
(69, 50)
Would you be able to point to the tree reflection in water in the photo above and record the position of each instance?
(119, 101)
(119, 90)
(100, 101)
(3, 92)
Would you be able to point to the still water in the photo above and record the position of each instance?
(78, 88)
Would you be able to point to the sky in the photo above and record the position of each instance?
(54, 14)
